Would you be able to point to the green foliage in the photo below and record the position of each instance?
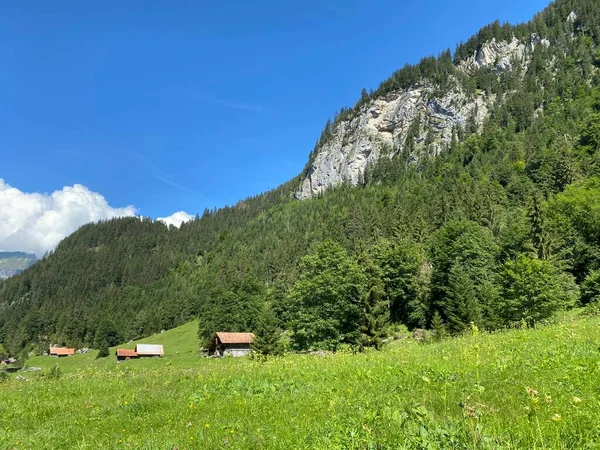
(401, 264)
(437, 327)
(575, 217)
(267, 340)
(463, 281)
(231, 309)
(534, 289)
(54, 373)
(590, 289)
(103, 350)
(524, 181)
(539, 234)
(326, 301)
(106, 334)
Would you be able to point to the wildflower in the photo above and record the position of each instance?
(470, 411)
(531, 391)
(576, 400)
(206, 425)
(556, 418)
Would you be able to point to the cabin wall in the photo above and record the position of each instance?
(237, 349)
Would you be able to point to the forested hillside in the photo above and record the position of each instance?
(500, 228)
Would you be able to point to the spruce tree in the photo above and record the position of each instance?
(267, 340)
(463, 306)
(438, 327)
(539, 236)
(103, 350)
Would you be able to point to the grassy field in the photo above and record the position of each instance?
(513, 390)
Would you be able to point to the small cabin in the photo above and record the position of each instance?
(231, 344)
(59, 352)
(124, 354)
(149, 350)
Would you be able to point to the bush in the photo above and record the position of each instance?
(53, 374)
(590, 289)
(533, 290)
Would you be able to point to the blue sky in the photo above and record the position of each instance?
(172, 106)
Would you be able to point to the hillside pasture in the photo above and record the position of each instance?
(512, 390)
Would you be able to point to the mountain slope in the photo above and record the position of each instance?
(13, 263)
(515, 186)
(440, 98)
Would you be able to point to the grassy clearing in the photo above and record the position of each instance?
(182, 340)
(519, 389)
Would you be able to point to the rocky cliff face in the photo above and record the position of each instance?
(381, 128)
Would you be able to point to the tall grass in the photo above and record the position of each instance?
(513, 390)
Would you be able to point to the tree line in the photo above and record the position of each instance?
(500, 229)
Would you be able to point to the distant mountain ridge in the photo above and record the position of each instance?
(13, 263)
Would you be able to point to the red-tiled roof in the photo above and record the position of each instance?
(61, 351)
(235, 338)
(126, 353)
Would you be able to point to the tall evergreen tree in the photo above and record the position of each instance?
(267, 340)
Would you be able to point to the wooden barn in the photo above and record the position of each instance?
(231, 344)
(149, 350)
(59, 352)
(124, 354)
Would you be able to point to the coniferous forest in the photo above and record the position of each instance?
(501, 229)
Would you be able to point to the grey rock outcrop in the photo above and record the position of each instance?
(381, 128)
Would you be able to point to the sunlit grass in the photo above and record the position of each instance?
(518, 389)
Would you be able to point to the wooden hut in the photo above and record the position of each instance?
(149, 350)
(231, 344)
(59, 352)
(124, 354)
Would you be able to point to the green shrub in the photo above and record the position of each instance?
(590, 289)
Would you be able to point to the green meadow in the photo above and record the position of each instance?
(519, 389)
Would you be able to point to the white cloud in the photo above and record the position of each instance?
(36, 223)
(176, 218)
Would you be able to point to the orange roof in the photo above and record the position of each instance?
(126, 353)
(62, 351)
(235, 338)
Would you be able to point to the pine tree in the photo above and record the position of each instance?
(267, 340)
(103, 350)
(539, 236)
(438, 327)
(462, 304)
